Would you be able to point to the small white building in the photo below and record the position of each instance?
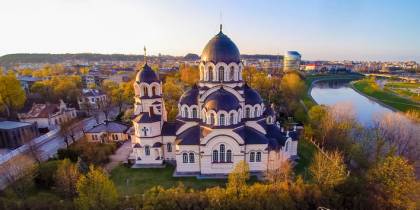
(92, 100)
(48, 116)
(108, 131)
(221, 121)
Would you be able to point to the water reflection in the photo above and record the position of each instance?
(338, 91)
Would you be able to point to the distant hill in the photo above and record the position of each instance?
(12, 59)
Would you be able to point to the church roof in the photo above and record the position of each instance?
(221, 100)
(251, 136)
(190, 97)
(146, 117)
(220, 49)
(147, 75)
(109, 126)
(170, 128)
(41, 111)
(252, 97)
(191, 136)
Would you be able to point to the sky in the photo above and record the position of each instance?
(385, 30)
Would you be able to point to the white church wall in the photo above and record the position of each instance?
(187, 166)
(257, 165)
(169, 155)
(207, 164)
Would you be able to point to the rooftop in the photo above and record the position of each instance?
(13, 124)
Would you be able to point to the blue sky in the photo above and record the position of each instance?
(319, 29)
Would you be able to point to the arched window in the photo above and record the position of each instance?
(194, 113)
(232, 73)
(211, 119)
(252, 157)
(154, 91)
(247, 112)
(169, 147)
(145, 92)
(258, 158)
(210, 76)
(256, 112)
(222, 153)
(229, 156)
(185, 112)
(231, 118)
(215, 156)
(191, 157)
(287, 146)
(221, 73)
(222, 119)
(147, 150)
(185, 158)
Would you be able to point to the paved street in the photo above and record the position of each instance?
(119, 157)
(47, 146)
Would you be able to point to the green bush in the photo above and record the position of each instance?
(69, 153)
(45, 175)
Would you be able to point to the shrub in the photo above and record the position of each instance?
(45, 174)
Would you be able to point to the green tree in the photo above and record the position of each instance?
(67, 88)
(172, 92)
(292, 88)
(12, 96)
(96, 191)
(66, 178)
(328, 170)
(189, 74)
(392, 184)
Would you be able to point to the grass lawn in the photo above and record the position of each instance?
(388, 98)
(140, 180)
(403, 85)
(306, 152)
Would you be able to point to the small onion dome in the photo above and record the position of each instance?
(221, 100)
(190, 97)
(147, 75)
(252, 97)
(220, 49)
(269, 111)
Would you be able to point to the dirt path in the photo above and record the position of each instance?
(120, 156)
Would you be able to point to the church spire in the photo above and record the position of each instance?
(145, 56)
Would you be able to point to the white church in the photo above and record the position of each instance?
(221, 121)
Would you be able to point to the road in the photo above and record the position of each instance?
(47, 146)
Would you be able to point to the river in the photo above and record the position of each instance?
(338, 91)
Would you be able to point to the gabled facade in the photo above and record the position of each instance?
(48, 116)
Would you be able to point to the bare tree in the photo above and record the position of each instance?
(106, 107)
(67, 130)
(35, 151)
(395, 133)
(281, 174)
(19, 168)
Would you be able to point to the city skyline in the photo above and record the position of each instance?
(319, 30)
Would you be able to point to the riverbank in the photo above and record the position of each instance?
(307, 99)
(388, 99)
